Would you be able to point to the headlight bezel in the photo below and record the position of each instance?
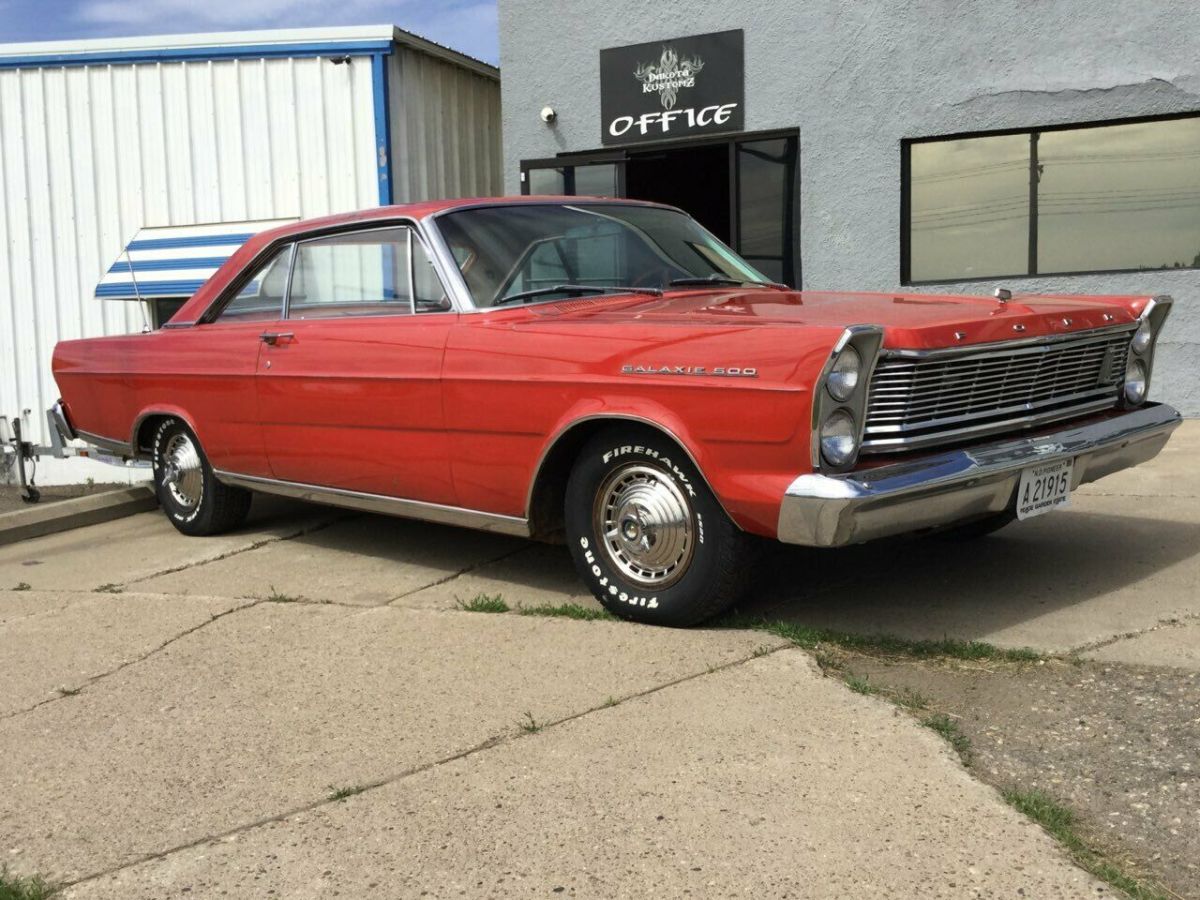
(1141, 350)
(865, 342)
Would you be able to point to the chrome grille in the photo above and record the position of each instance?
(921, 400)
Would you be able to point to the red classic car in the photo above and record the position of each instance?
(609, 374)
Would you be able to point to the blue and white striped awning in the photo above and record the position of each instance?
(173, 261)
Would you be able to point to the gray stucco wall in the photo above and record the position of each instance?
(856, 77)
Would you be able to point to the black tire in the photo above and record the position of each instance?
(195, 502)
(977, 528)
(694, 562)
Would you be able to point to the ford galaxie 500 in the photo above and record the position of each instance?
(609, 374)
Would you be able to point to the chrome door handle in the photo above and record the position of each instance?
(276, 337)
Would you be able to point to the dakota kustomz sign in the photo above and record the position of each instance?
(672, 89)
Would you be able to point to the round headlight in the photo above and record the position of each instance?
(843, 377)
(1142, 337)
(1135, 382)
(839, 438)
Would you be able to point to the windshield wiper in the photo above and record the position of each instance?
(523, 296)
(717, 278)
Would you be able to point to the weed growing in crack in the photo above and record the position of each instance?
(22, 586)
(340, 794)
(67, 692)
(109, 589)
(567, 611)
(276, 597)
(860, 685)
(884, 644)
(15, 887)
(483, 603)
(531, 725)
(948, 728)
(1059, 822)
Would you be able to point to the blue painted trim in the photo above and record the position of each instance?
(122, 266)
(149, 289)
(208, 240)
(186, 54)
(383, 127)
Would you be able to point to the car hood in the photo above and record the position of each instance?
(909, 320)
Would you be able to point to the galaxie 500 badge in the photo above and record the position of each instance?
(726, 371)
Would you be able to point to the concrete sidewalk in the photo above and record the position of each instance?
(180, 714)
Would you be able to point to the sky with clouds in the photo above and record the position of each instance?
(466, 25)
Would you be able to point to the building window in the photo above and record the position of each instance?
(1098, 198)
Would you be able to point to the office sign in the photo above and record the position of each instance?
(672, 89)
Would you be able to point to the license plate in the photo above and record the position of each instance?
(1043, 488)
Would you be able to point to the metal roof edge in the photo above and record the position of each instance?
(356, 40)
(433, 48)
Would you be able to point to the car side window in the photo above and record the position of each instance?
(365, 273)
(261, 298)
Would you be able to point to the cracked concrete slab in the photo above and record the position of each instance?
(365, 560)
(763, 779)
(537, 575)
(42, 654)
(140, 546)
(1173, 645)
(273, 707)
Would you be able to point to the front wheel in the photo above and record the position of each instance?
(647, 535)
(189, 493)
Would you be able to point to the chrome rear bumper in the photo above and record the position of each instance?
(960, 485)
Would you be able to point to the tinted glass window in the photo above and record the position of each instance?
(970, 208)
(766, 171)
(507, 250)
(382, 272)
(261, 299)
(1092, 199)
(1123, 197)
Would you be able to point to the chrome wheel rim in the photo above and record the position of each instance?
(646, 525)
(182, 471)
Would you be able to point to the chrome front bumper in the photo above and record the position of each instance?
(960, 485)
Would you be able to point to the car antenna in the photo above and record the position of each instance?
(146, 329)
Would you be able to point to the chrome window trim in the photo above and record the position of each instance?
(411, 227)
(380, 503)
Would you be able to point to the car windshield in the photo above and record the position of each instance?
(543, 252)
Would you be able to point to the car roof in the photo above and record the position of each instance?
(202, 299)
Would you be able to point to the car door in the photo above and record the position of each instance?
(213, 369)
(349, 383)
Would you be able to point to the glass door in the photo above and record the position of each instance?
(594, 178)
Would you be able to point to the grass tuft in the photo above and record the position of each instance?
(340, 794)
(22, 586)
(109, 589)
(484, 603)
(13, 887)
(566, 611)
(1059, 822)
(948, 728)
(910, 699)
(531, 725)
(276, 597)
(860, 685)
(68, 692)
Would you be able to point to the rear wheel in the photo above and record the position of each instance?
(189, 493)
(647, 535)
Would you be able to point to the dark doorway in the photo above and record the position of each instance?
(693, 178)
(743, 188)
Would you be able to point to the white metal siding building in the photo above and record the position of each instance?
(100, 139)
